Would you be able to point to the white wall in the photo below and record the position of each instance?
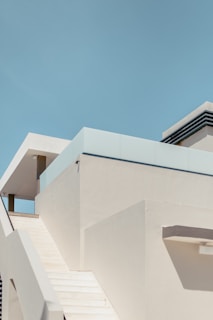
(178, 279)
(109, 186)
(34, 292)
(14, 308)
(144, 276)
(96, 188)
(59, 207)
(115, 251)
(34, 297)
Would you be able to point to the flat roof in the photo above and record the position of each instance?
(20, 176)
(122, 147)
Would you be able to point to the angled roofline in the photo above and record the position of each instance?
(33, 144)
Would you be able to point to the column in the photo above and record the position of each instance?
(11, 201)
(41, 165)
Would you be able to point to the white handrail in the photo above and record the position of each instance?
(5, 220)
(20, 262)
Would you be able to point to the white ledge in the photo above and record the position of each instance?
(188, 234)
(126, 148)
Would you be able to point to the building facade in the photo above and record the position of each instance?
(132, 214)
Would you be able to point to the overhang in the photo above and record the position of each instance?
(20, 176)
(188, 234)
(132, 149)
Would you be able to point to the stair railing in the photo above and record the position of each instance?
(7, 213)
(5, 222)
(22, 257)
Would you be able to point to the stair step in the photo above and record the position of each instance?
(64, 288)
(72, 275)
(90, 317)
(76, 283)
(85, 302)
(87, 310)
(79, 293)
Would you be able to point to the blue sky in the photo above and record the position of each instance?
(129, 66)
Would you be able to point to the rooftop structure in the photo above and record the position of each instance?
(122, 229)
(194, 130)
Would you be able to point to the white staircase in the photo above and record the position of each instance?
(79, 293)
(81, 296)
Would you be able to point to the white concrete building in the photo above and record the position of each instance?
(122, 229)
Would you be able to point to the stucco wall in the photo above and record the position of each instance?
(96, 188)
(178, 279)
(144, 276)
(59, 207)
(109, 186)
(86, 199)
(20, 263)
(115, 251)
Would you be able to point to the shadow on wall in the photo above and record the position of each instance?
(194, 270)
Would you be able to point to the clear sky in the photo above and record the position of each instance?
(128, 66)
